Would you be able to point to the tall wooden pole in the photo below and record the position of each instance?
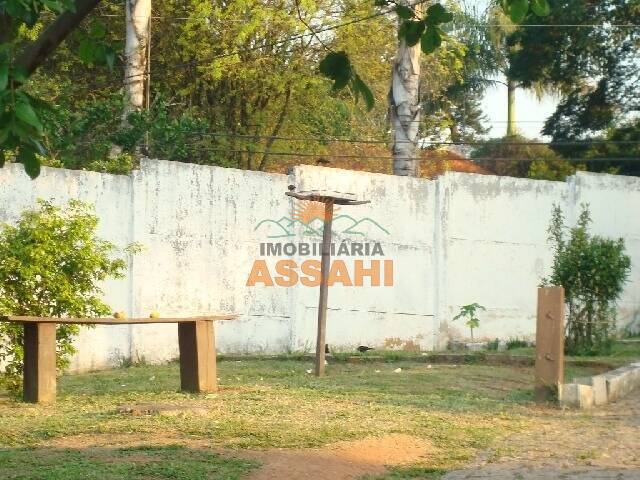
(324, 288)
(549, 368)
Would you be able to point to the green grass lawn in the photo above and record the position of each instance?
(261, 404)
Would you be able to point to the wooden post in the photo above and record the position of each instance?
(39, 377)
(324, 288)
(549, 369)
(196, 340)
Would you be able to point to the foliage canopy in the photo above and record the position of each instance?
(51, 265)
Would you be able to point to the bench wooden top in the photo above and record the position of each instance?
(113, 321)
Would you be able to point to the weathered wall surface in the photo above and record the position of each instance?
(459, 239)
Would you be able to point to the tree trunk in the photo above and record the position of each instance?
(511, 108)
(404, 106)
(136, 71)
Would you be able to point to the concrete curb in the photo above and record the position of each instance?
(585, 392)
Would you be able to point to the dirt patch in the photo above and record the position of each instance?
(124, 440)
(166, 410)
(337, 461)
(341, 460)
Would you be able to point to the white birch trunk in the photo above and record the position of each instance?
(404, 106)
(136, 71)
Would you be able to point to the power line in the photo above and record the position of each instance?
(424, 142)
(388, 157)
(453, 22)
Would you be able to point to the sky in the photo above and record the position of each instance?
(530, 112)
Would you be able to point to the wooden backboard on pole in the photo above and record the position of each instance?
(329, 198)
(549, 368)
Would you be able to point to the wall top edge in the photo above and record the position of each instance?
(147, 164)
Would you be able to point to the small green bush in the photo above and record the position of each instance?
(51, 264)
(468, 313)
(514, 343)
(593, 271)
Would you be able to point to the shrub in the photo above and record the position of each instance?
(518, 156)
(592, 271)
(51, 263)
(514, 343)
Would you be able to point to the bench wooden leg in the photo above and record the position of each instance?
(197, 356)
(39, 362)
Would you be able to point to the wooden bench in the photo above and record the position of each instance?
(196, 341)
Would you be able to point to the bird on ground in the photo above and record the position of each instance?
(364, 348)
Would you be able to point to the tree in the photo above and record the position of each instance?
(136, 54)
(455, 106)
(32, 32)
(517, 156)
(593, 66)
(51, 265)
(621, 143)
(20, 126)
(593, 271)
(468, 313)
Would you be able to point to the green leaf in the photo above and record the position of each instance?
(19, 74)
(404, 12)
(97, 30)
(25, 112)
(517, 10)
(86, 50)
(39, 147)
(4, 75)
(410, 31)
(431, 40)
(110, 58)
(359, 87)
(541, 7)
(437, 14)
(337, 67)
(27, 156)
(4, 134)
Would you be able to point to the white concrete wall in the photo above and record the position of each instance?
(459, 239)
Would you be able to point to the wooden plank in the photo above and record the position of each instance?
(196, 341)
(549, 367)
(39, 377)
(335, 198)
(113, 321)
(324, 289)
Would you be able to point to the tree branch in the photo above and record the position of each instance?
(5, 27)
(276, 130)
(36, 53)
